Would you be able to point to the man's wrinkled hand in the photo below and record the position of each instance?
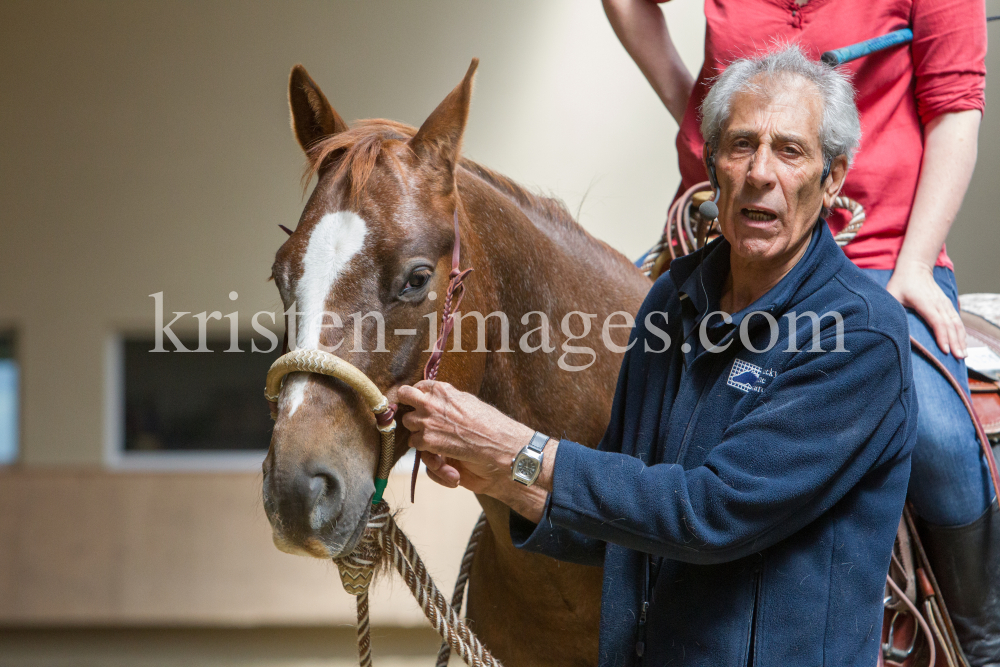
(462, 440)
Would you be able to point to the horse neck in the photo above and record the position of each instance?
(525, 261)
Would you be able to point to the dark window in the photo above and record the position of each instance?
(9, 399)
(195, 401)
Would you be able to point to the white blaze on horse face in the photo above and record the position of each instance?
(334, 241)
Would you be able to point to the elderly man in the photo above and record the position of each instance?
(745, 496)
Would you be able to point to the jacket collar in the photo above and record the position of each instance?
(700, 276)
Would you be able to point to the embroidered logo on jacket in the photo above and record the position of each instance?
(743, 375)
(749, 377)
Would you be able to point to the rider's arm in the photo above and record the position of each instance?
(643, 32)
(948, 162)
(949, 68)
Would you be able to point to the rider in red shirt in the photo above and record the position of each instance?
(920, 107)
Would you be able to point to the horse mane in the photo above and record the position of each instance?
(355, 152)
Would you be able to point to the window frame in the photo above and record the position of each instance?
(10, 329)
(116, 457)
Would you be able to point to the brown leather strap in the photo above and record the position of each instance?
(980, 432)
(452, 299)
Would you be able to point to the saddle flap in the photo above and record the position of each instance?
(980, 313)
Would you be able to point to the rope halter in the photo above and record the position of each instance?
(324, 363)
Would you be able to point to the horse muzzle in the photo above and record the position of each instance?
(317, 495)
(315, 515)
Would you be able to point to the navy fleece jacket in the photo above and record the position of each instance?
(761, 491)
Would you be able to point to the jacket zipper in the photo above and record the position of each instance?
(640, 640)
(692, 417)
(751, 634)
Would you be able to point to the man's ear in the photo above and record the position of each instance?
(835, 181)
(313, 118)
(708, 160)
(438, 142)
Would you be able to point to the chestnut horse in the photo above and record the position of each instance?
(374, 242)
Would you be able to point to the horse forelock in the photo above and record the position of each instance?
(355, 152)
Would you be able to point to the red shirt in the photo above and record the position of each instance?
(899, 91)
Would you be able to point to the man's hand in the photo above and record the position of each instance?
(913, 286)
(464, 441)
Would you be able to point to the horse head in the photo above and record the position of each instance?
(369, 259)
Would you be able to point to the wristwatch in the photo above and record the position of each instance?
(528, 462)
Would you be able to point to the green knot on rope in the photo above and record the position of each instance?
(380, 484)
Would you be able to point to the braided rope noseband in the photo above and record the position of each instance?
(324, 363)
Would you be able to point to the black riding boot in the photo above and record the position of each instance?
(966, 562)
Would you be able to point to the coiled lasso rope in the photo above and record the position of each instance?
(686, 229)
(382, 539)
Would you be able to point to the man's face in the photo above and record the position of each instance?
(769, 164)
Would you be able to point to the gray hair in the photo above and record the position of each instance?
(840, 129)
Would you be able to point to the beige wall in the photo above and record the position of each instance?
(181, 549)
(975, 238)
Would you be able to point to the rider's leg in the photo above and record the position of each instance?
(949, 480)
(966, 562)
(951, 492)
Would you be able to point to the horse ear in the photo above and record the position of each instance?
(439, 139)
(312, 116)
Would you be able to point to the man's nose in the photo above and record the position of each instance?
(760, 172)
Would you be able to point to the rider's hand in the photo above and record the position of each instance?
(913, 285)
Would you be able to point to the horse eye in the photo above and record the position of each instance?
(416, 280)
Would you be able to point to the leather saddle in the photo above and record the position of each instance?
(981, 316)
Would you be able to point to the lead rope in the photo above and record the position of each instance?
(383, 539)
(444, 655)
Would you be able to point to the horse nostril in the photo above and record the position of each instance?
(317, 489)
(324, 497)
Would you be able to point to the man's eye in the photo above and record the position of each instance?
(416, 280)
